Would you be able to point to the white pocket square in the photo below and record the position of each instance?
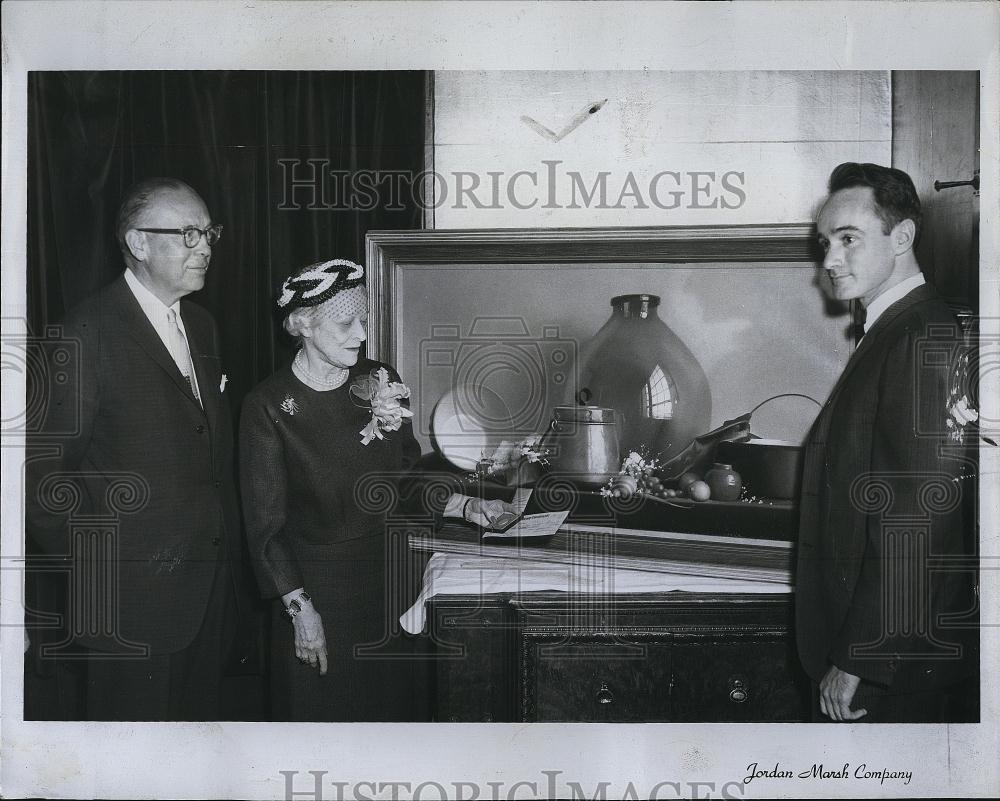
(223, 382)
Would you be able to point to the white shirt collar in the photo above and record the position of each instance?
(890, 296)
(154, 308)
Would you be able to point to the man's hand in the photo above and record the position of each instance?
(836, 691)
(310, 639)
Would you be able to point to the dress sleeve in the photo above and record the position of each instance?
(263, 485)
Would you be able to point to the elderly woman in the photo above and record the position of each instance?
(307, 435)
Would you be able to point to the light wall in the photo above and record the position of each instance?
(776, 135)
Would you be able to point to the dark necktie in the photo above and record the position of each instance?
(860, 318)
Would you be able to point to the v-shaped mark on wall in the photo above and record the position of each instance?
(572, 125)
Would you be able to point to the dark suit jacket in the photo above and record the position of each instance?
(880, 496)
(137, 448)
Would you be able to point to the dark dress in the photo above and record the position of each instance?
(315, 501)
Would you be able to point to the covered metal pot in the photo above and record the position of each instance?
(583, 444)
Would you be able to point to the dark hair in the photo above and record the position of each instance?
(136, 199)
(895, 195)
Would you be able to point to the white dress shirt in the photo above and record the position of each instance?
(156, 311)
(890, 296)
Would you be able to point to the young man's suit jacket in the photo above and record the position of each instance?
(880, 491)
(137, 447)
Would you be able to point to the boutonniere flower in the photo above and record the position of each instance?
(961, 415)
(960, 412)
(383, 396)
(223, 382)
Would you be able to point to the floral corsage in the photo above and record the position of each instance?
(383, 396)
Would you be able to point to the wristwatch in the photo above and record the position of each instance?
(295, 605)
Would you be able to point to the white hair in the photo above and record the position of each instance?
(299, 320)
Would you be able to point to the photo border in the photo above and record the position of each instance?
(245, 760)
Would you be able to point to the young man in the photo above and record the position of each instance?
(885, 604)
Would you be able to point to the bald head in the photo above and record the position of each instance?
(151, 228)
(142, 198)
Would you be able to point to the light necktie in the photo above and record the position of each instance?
(181, 353)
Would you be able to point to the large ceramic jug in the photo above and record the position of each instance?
(636, 365)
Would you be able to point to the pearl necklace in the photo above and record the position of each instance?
(319, 383)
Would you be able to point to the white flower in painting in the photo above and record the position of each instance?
(633, 460)
(531, 449)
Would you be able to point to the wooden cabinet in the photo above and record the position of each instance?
(678, 657)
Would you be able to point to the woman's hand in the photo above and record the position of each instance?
(310, 640)
(483, 513)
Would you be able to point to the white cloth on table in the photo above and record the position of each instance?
(454, 574)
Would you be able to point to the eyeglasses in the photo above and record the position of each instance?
(192, 234)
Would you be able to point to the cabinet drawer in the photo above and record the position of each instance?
(741, 681)
(594, 678)
(595, 681)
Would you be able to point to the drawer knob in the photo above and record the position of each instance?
(604, 695)
(738, 691)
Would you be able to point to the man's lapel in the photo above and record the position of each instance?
(868, 341)
(141, 330)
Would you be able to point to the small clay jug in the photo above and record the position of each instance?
(724, 482)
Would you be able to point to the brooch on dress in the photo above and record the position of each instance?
(289, 406)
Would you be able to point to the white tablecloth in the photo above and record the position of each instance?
(452, 574)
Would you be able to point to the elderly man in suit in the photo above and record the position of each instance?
(147, 444)
(884, 588)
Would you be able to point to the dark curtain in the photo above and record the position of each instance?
(92, 134)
